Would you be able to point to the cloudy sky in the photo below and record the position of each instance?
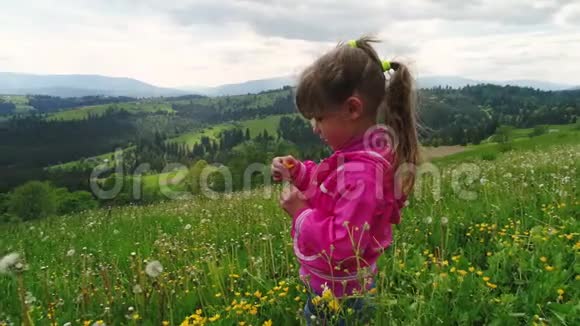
(209, 42)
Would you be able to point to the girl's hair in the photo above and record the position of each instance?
(356, 67)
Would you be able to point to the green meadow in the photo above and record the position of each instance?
(491, 238)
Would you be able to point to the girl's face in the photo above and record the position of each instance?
(330, 128)
(338, 126)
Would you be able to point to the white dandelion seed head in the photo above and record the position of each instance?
(154, 268)
(137, 289)
(444, 220)
(9, 262)
(428, 220)
(70, 253)
(29, 299)
(187, 227)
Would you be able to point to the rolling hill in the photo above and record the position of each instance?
(79, 85)
(85, 85)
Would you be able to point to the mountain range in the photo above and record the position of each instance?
(83, 85)
(79, 85)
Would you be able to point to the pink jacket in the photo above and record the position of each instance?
(339, 238)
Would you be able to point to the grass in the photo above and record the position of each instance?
(566, 134)
(191, 138)
(505, 256)
(99, 159)
(20, 101)
(16, 99)
(256, 127)
(131, 107)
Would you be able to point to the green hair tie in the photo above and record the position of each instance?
(386, 65)
(352, 44)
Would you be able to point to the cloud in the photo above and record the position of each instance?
(569, 15)
(203, 42)
(330, 21)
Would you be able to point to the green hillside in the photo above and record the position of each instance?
(148, 106)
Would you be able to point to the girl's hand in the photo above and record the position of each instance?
(292, 200)
(282, 166)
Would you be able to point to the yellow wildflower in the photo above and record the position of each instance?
(543, 259)
(334, 305)
(316, 300)
(267, 323)
(491, 285)
(327, 294)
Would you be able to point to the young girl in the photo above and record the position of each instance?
(343, 208)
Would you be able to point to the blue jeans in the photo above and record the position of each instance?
(363, 310)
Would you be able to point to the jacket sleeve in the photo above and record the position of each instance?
(302, 174)
(343, 232)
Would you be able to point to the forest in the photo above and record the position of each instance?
(32, 143)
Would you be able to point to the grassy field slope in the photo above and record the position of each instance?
(502, 249)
